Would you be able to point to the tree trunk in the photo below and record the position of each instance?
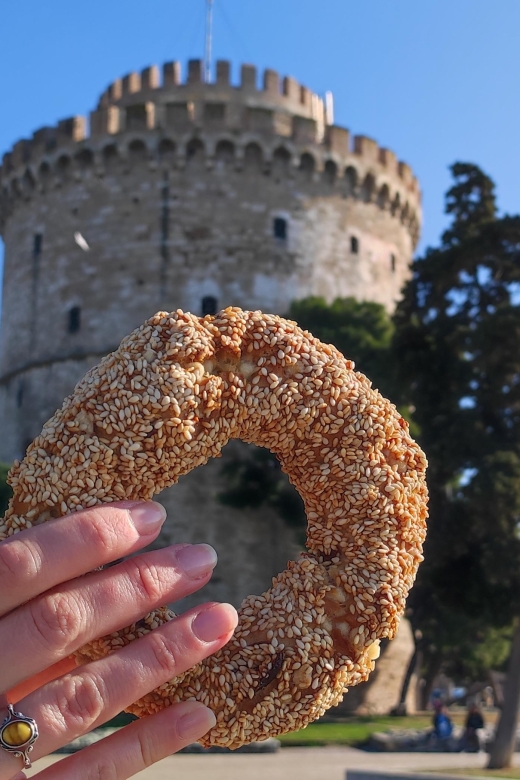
(505, 737)
(434, 664)
(498, 689)
(400, 708)
(417, 692)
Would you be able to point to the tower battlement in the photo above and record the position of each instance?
(166, 83)
(281, 128)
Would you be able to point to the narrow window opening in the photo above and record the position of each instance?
(280, 228)
(354, 245)
(166, 150)
(225, 153)
(330, 172)
(209, 305)
(307, 165)
(37, 244)
(74, 319)
(392, 262)
(137, 151)
(19, 395)
(195, 149)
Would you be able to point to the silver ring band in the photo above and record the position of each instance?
(18, 733)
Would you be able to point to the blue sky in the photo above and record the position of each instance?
(434, 80)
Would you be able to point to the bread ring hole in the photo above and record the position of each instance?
(233, 500)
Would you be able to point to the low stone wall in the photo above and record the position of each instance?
(357, 774)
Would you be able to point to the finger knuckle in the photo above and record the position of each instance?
(105, 768)
(57, 620)
(165, 654)
(103, 531)
(84, 700)
(148, 749)
(147, 580)
(19, 563)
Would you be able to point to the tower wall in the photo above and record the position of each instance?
(187, 195)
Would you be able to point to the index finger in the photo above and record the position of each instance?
(46, 555)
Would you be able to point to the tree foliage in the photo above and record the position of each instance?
(476, 653)
(457, 345)
(471, 201)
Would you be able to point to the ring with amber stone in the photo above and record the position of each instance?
(18, 733)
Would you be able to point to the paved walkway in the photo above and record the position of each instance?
(328, 763)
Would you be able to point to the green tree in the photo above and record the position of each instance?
(471, 201)
(457, 346)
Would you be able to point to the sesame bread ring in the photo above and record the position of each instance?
(169, 398)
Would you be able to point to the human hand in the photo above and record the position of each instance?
(48, 611)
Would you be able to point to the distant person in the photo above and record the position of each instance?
(442, 725)
(474, 737)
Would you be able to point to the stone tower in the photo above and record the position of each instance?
(199, 196)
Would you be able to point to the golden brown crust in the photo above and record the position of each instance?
(177, 389)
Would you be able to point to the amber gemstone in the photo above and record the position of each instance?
(16, 734)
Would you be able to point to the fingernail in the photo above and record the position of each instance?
(196, 723)
(214, 622)
(197, 559)
(147, 517)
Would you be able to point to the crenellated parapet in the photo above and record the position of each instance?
(157, 118)
(166, 89)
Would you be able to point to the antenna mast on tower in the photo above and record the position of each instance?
(209, 40)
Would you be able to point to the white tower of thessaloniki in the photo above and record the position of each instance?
(192, 195)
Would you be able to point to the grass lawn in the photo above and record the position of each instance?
(351, 732)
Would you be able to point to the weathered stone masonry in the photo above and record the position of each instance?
(197, 196)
